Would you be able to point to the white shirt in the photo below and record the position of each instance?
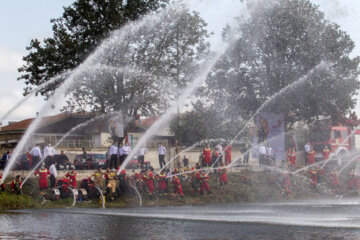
(219, 148)
(113, 150)
(126, 150)
(307, 148)
(120, 151)
(142, 151)
(49, 151)
(35, 151)
(53, 170)
(161, 150)
(269, 151)
(262, 149)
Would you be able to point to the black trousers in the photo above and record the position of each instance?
(113, 161)
(52, 181)
(123, 159)
(162, 160)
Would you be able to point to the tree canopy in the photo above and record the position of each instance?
(281, 42)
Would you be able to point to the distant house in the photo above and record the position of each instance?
(94, 135)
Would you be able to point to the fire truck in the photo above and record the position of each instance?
(340, 139)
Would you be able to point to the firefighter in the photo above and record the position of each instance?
(106, 176)
(111, 186)
(149, 181)
(207, 156)
(98, 177)
(71, 175)
(222, 171)
(311, 156)
(162, 187)
(2, 186)
(313, 178)
(286, 184)
(204, 183)
(291, 157)
(123, 181)
(351, 179)
(195, 182)
(42, 173)
(177, 186)
(326, 152)
(227, 151)
(16, 185)
(334, 177)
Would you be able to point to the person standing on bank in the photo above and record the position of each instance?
(53, 174)
(161, 152)
(36, 155)
(307, 148)
(126, 151)
(113, 152)
(141, 156)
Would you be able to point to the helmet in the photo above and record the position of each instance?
(113, 170)
(72, 167)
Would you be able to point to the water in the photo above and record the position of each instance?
(312, 219)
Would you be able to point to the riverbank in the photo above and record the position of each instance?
(245, 186)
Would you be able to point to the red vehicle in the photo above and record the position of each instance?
(337, 138)
(93, 161)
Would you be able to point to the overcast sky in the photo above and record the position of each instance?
(23, 20)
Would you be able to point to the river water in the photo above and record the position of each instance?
(316, 219)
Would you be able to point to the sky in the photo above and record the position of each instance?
(23, 20)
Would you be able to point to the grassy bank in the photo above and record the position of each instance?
(243, 187)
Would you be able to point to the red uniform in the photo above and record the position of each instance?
(291, 154)
(2, 185)
(334, 179)
(222, 176)
(313, 178)
(177, 186)
(311, 157)
(228, 155)
(149, 181)
(16, 186)
(286, 183)
(326, 153)
(207, 156)
(72, 177)
(43, 174)
(204, 182)
(161, 183)
(353, 180)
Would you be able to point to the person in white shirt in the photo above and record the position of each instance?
(36, 155)
(120, 153)
(53, 174)
(49, 153)
(269, 154)
(141, 156)
(126, 151)
(220, 151)
(307, 149)
(113, 152)
(262, 151)
(161, 152)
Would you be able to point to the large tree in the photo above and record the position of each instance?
(281, 42)
(140, 71)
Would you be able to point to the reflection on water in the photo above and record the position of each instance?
(251, 221)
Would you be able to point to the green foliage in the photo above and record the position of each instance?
(281, 42)
(12, 201)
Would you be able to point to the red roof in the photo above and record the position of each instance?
(24, 124)
(147, 122)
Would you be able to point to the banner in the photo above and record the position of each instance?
(270, 129)
(116, 126)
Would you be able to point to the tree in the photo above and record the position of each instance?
(281, 42)
(144, 69)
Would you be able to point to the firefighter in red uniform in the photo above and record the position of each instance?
(207, 156)
(16, 185)
(286, 185)
(334, 177)
(43, 174)
(326, 152)
(222, 171)
(71, 175)
(228, 155)
(177, 186)
(149, 181)
(2, 185)
(351, 179)
(291, 157)
(204, 183)
(311, 156)
(162, 183)
(313, 178)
